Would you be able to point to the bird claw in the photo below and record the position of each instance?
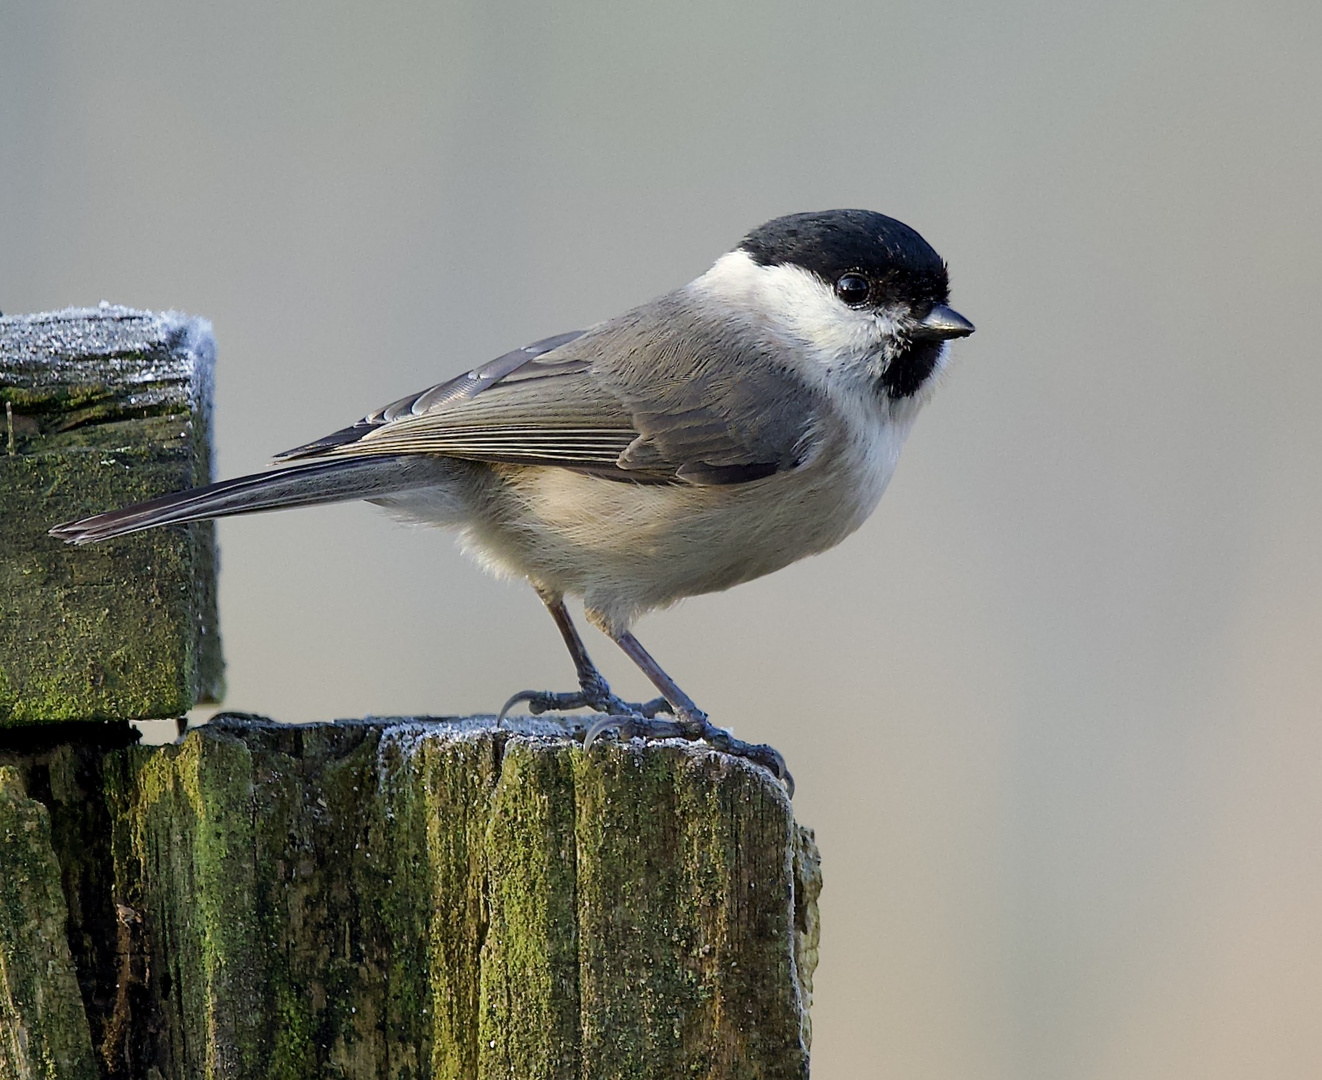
(639, 721)
(635, 726)
(597, 697)
(684, 727)
(540, 701)
(768, 757)
(600, 726)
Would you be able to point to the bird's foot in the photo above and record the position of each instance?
(594, 693)
(639, 721)
(693, 727)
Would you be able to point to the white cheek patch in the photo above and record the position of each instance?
(796, 304)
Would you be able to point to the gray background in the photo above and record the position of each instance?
(1054, 711)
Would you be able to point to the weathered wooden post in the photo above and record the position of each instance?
(407, 898)
(101, 407)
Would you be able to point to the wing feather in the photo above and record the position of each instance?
(662, 394)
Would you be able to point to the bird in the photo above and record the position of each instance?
(718, 433)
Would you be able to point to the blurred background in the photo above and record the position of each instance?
(1054, 711)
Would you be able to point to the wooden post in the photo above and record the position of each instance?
(413, 898)
(402, 899)
(100, 407)
(43, 1030)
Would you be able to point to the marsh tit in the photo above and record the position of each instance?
(713, 435)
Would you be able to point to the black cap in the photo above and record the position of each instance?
(899, 263)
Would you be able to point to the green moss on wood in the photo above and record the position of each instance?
(107, 408)
(528, 1020)
(428, 900)
(679, 861)
(43, 1029)
(106, 631)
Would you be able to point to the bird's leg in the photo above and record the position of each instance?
(593, 691)
(690, 722)
(686, 712)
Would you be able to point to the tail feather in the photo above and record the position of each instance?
(309, 484)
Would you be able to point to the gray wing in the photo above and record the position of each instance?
(460, 388)
(662, 394)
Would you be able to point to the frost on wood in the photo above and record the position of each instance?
(102, 407)
(445, 899)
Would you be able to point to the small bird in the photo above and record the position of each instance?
(713, 435)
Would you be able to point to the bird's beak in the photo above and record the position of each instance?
(942, 323)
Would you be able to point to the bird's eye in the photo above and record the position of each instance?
(852, 289)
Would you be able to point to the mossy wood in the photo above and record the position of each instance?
(417, 899)
(43, 1032)
(99, 408)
